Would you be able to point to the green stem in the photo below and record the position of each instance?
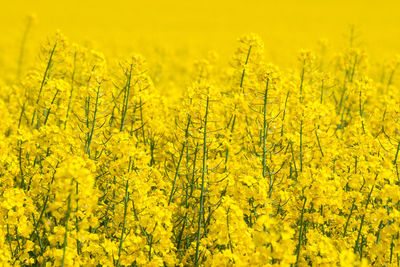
(356, 246)
(319, 144)
(22, 47)
(71, 91)
(126, 98)
(301, 146)
(264, 139)
(300, 233)
(179, 161)
(124, 223)
(203, 175)
(90, 135)
(244, 69)
(44, 80)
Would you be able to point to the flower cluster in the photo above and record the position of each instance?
(248, 165)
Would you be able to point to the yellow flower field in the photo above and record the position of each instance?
(183, 133)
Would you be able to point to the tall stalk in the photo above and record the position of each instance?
(203, 176)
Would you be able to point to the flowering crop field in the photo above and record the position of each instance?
(169, 134)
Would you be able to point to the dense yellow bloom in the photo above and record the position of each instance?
(168, 161)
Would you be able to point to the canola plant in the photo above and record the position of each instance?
(118, 162)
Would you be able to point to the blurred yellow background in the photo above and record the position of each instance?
(286, 26)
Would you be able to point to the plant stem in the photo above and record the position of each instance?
(203, 174)
(124, 223)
